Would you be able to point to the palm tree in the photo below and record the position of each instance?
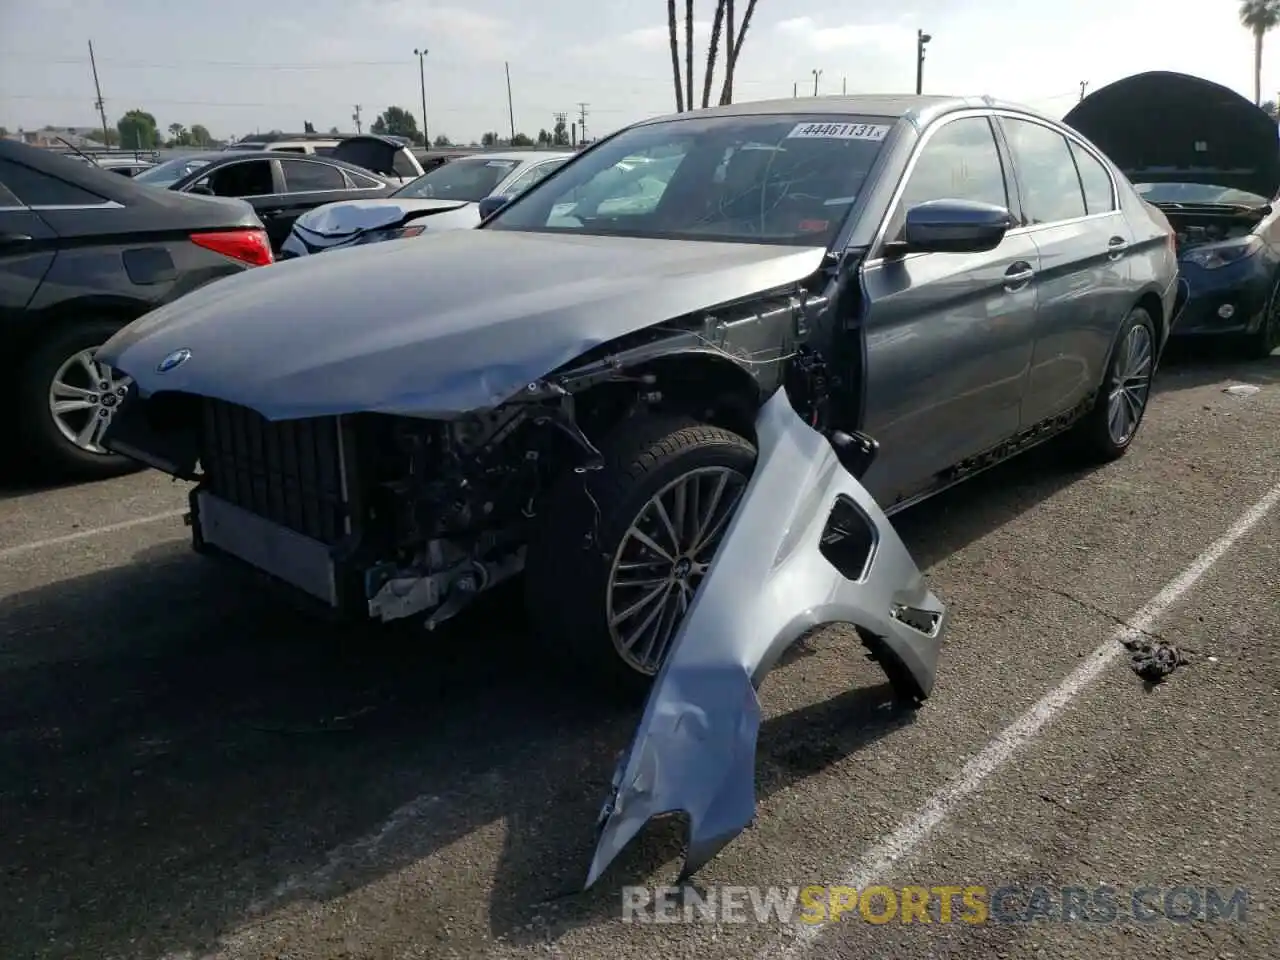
(688, 53)
(1259, 17)
(675, 54)
(713, 48)
(733, 48)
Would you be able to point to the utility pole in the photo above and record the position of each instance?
(844, 86)
(816, 75)
(573, 134)
(511, 111)
(1084, 85)
(422, 82)
(921, 39)
(582, 119)
(562, 119)
(356, 117)
(99, 103)
(795, 89)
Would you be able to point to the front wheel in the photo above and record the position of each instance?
(620, 552)
(1108, 429)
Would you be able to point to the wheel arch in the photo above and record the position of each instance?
(41, 323)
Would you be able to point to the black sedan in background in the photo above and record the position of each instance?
(282, 187)
(1210, 160)
(83, 251)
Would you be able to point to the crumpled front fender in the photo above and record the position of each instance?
(782, 569)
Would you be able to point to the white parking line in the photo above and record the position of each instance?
(8, 553)
(915, 831)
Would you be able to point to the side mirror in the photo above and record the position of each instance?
(953, 226)
(491, 205)
(202, 191)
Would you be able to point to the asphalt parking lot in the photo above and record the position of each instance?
(187, 768)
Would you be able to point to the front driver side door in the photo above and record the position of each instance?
(948, 336)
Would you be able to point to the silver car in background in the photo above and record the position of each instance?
(449, 195)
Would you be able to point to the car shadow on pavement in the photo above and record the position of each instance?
(180, 750)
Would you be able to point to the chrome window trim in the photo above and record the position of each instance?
(987, 113)
(294, 157)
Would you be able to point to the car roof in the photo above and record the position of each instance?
(221, 159)
(918, 109)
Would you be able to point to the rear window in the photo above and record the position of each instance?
(471, 179)
(37, 189)
(756, 179)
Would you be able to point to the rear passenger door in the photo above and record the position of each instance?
(1071, 213)
(307, 184)
(948, 335)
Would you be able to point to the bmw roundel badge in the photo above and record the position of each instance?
(173, 360)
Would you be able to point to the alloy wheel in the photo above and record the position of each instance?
(663, 557)
(1130, 384)
(83, 397)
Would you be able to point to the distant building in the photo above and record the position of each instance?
(48, 137)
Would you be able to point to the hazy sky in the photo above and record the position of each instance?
(241, 65)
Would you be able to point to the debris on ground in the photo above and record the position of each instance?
(1242, 390)
(1154, 659)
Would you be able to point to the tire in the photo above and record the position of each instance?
(1262, 343)
(1095, 441)
(42, 442)
(585, 527)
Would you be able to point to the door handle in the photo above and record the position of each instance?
(1116, 246)
(274, 212)
(1018, 276)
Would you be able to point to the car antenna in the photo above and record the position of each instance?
(79, 151)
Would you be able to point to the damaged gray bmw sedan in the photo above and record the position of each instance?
(679, 385)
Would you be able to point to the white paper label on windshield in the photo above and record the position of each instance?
(839, 131)
(501, 163)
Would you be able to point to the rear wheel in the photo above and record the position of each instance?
(1108, 429)
(1262, 343)
(620, 552)
(65, 401)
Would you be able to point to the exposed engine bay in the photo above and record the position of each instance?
(1200, 224)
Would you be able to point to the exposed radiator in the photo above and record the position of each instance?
(289, 472)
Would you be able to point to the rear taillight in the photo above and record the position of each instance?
(247, 246)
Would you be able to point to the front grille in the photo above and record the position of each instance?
(288, 472)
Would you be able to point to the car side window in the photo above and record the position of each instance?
(531, 176)
(1099, 194)
(960, 161)
(37, 189)
(301, 176)
(250, 178)
(1051, 189)
(359, 181)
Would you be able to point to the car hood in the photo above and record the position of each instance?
(345, 219)
(1173, 128)
(437, 327)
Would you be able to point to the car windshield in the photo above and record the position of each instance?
(755, 179)
(171, 171)
(470, 178)
(1196, 193)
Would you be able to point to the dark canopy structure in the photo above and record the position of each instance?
(1164, 127)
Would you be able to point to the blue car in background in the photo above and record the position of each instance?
(1210, 161)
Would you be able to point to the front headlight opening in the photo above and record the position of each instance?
(1215, 255)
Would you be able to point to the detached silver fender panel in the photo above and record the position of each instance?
(771, 582)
